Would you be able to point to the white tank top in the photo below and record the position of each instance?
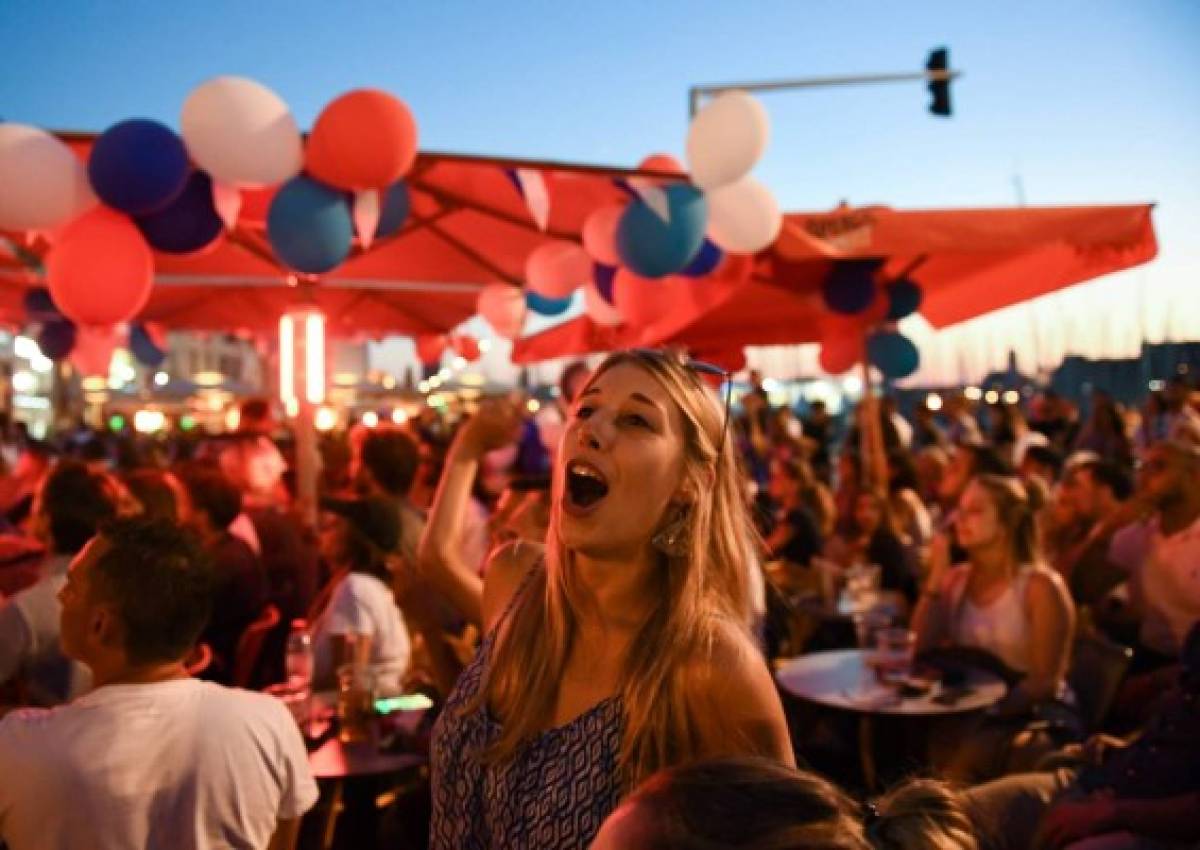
(1001, 627)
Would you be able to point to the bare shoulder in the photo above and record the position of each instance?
(741, 713)
(1046, 586)
(506, 569)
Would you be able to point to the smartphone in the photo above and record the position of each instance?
(404, 702)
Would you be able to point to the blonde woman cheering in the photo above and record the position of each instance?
(624, 647)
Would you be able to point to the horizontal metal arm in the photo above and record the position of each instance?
(696, 92)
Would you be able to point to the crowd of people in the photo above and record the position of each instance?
(595, 598)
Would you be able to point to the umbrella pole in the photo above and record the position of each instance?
(307, 462)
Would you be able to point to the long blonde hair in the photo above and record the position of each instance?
(702, 598)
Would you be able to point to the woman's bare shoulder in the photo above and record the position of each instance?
(507, 568)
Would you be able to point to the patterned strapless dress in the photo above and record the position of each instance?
(553, 795)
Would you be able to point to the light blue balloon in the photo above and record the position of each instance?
(893, 354)
(544, 306)
(309, 226)
(394, 207)
(651, 247)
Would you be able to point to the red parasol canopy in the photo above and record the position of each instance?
(967, 263)
(468, 226)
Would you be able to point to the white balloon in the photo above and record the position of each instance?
(241, 133)
(726, 139)
(599, 310)
(743, 217)
(42, 184)
(503, 307)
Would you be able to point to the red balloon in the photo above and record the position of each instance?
(556, 269)
(663, 162)
(503, 307)
(466, 347)
(430, 349)
(638, 299)
(94, 347)
(365, 139)
(101, 270)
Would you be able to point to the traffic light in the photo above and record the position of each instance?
(939, 60)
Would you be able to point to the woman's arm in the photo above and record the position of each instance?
(1052, 623)
(440, 556)
(928, 620)
(738, 711)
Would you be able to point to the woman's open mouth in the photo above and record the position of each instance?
(585, 487)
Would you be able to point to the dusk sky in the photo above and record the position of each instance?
(1083, 102)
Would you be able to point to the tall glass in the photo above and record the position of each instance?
(356, 703)
(894, 653)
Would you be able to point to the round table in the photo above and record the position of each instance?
(338, 762)
(841, 679)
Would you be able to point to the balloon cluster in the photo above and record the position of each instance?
(145, 188)
(678, 223)
(862, 317)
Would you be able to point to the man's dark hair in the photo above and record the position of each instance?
(76, 501)
(392, 458)
(986, 460)
(571, 373)
(1047, 457)
(1108, 474)
(157, 577)
(154, 492)
(214, 495)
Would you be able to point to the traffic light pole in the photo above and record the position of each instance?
(695, 93)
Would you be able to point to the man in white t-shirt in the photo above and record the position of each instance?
(151, 757)
(1163, 554)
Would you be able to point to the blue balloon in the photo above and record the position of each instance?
(850, 287)
(651, 247)
(604, 277)
(39, 306)
(57, 339)
(394, 207)
(893, 354)
(705, 262)
(143, 348)
(309, 226)
(188, 224)
(138, 166)
(904, 299)
(547, 306)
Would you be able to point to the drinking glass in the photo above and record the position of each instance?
(894, 652)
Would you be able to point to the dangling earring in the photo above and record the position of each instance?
(672, 538)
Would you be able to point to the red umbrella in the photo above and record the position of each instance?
(469, 226)
(966, 262)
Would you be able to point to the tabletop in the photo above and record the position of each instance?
(336, 759)
(842, 679)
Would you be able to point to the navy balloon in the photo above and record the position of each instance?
(544, 306)
(850, 287)
(188, 224)
(143, 348)
(309, 226)
(57, 339)
(604, 276)
(394, 207)
(904, 299)
(893, 354)
(705, 262)
(651, 247)
(138, 166)
(39, 306)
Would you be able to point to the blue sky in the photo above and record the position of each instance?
(1090, 102)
